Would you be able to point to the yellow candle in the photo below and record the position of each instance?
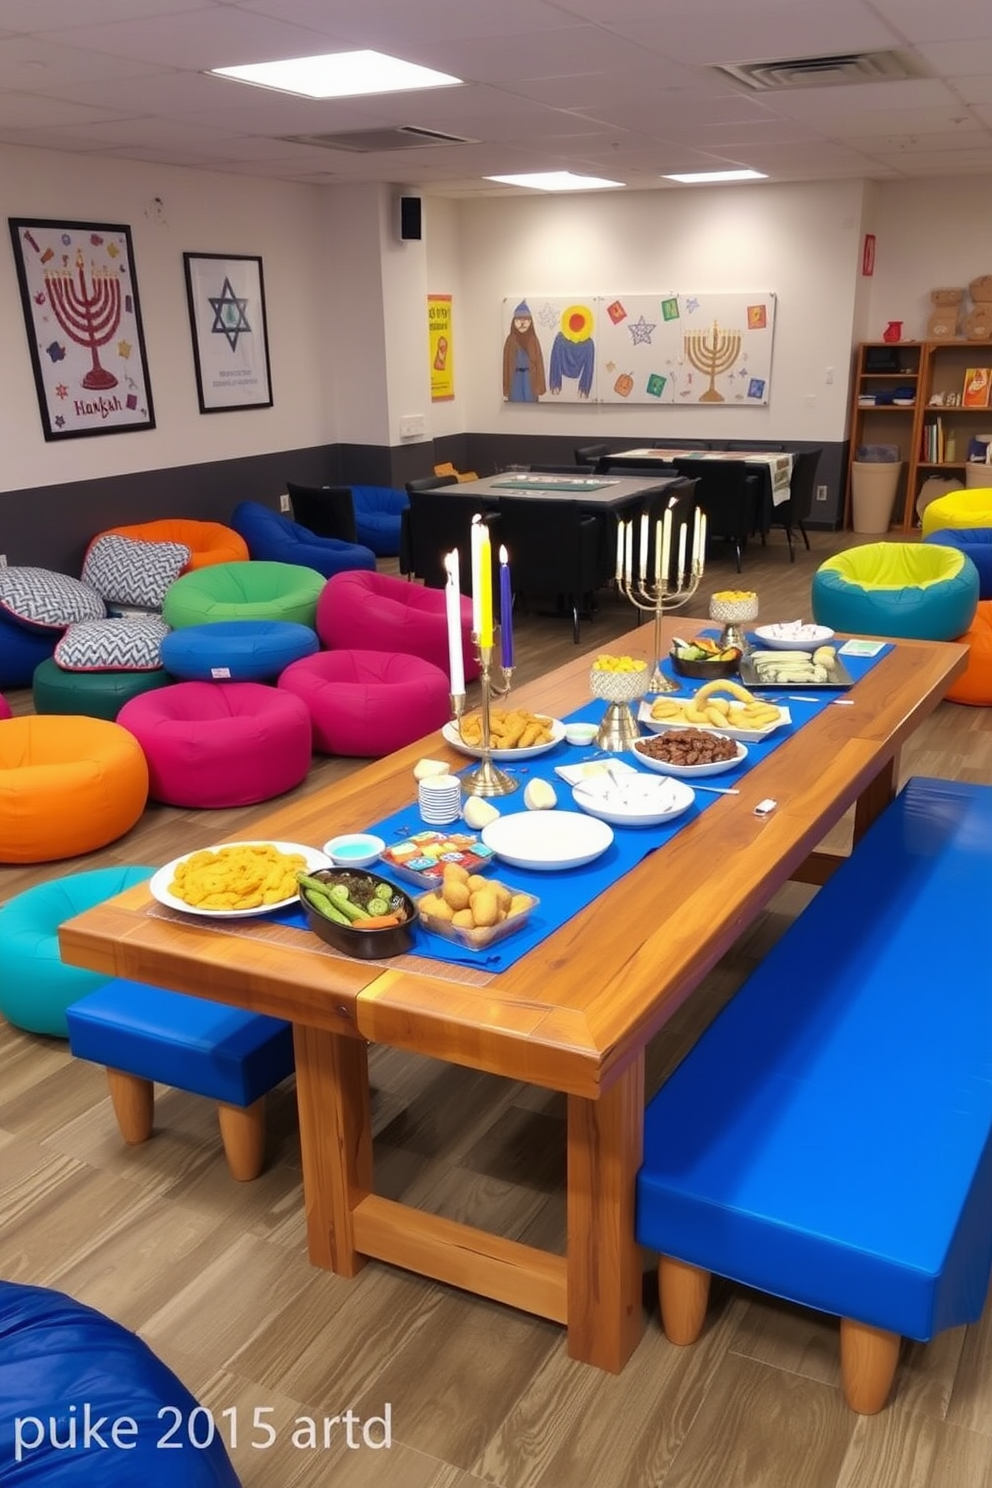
(485, 589)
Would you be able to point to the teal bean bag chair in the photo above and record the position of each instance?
(915, 591)
(244, 591)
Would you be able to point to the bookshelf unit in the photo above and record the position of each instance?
(932, 436)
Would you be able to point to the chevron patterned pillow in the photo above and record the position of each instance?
(112, 645)
(40, 599)
(131, 572)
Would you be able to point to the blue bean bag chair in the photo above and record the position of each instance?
(64, 1368)
(976, 543)
(21, 651)
(236, 650)
(378, 513)
(277, 539)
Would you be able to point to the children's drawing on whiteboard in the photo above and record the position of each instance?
(687, 349)
(573, 351)
(523, 359)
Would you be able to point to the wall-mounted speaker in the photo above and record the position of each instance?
(411, 226)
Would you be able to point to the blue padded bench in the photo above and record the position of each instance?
(828, 1140)
(143, 1034)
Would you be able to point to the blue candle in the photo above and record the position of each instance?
(505, 610)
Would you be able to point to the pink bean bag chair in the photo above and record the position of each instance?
(212, 744)
(377, 612)
(368, 703)
(5, 711)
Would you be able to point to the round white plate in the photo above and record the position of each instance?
(547, 840)
(160, 881)
(689, 772)
(634, 800)
(793, 637)
(450, 734)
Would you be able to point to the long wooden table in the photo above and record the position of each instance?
(574, 1015)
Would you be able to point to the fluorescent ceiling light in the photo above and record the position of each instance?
(555, 181)
(727, 175)
(339, 75)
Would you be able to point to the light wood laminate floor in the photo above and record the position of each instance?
(214, 1274)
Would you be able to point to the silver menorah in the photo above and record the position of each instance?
(671, 587)
(89, 316)
(711, 353)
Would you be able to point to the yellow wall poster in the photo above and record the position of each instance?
(442, 360)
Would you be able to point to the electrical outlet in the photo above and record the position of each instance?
(3, 560)
(822, 493)
(285, 504)
(412, 425)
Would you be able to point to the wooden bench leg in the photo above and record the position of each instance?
(242, 1130)
(684, 1292)
(133, 1100)
(868, 1359)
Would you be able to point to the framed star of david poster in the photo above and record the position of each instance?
(226, 297)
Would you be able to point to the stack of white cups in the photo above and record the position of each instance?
(440, 799)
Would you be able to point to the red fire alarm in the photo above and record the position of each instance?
(868, 256)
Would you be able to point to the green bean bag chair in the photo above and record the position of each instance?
(244, 591)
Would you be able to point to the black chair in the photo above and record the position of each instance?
(700, 444)
(546, 469)
(727, 491)
(434, 523)
(590, 454)
(797, 510)
(431, 483)
(329, 511)
(759, 446)
(554, 548)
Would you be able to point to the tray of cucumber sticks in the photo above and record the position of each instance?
(822, 668)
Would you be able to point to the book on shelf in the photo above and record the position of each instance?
(977, 381)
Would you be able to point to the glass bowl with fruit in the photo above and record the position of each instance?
(619, 680)
(734, 608)
(704, 658)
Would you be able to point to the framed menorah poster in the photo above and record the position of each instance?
(83, 319)
(714, 350)
(226, 297)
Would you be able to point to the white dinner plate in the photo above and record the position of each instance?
(634, 800)
(793, 637)
(160, 881)
(687, 772)
(548, 840)
(451, 736)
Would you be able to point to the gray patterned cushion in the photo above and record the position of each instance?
(41, 599)
(112, 645)
(128, 571)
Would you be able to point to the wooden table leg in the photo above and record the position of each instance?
(872, 802)
(605, 1145)
(332, 1093)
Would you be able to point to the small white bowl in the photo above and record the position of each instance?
(581, 733)
(792, 637)
(354, 849)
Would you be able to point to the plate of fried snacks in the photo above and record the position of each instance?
(515, 733)
(724, 705)
(236, 878)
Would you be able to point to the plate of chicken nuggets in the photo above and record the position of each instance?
(516, 734)
(235, 879)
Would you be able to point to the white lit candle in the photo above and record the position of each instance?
(476, 574)
(683, 538)
(702, 542)
(642, 566)
(666, 544)
(696, 549)
(628, 566)
(657, 551)
(453, 613)
(620, 527)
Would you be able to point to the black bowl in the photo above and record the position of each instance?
(705, 670)
(352, 940)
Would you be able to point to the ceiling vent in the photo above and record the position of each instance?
(368, 141)
(837, 71)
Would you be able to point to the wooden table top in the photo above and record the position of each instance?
(573, 1012)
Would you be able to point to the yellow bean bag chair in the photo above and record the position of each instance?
(208, 542)
(68, 785)
(958, 509)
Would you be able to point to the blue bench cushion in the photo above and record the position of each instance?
(223, 1053)
(828, 1138)
(236, 650)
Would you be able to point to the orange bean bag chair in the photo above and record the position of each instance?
(208, 542)
(68, 785)
(975, 685)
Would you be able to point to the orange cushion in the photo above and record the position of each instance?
(68, 785)
(975, 686)
(209, 542)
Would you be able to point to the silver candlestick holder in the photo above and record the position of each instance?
(659, 597)
(487, 779)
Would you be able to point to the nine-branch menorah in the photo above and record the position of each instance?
(88, 317)
(712, 353)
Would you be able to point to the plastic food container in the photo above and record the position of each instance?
(485, 936)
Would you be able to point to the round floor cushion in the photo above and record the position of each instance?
(975, 685)
(68, 785)
(379, 612)
(244, 591)
(97, 694)
(36, 985)
(213, 744)
(977, 543)
(969, 508)
(236, 650)
(58, 1356)
(920, 591)
(368, 703)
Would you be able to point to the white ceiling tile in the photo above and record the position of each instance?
(219, 37)
(25, 61)
(922, 20)
(27, 111)
(53, 15)
(708, 34)
(960, 58)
